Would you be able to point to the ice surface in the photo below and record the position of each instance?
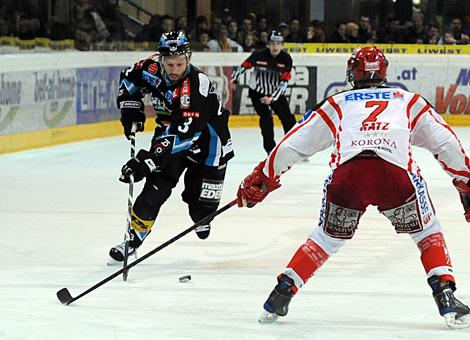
(62, 208)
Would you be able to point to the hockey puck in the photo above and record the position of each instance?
(185, 278)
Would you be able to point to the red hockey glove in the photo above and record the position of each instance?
(255, 187)
(464, 192)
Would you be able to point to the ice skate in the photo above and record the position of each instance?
(116, 254)
(203, 231)
(278, 301)
(455, 313)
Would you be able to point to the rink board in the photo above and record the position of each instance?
(65, 97)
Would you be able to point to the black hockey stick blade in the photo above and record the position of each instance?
(64, 296)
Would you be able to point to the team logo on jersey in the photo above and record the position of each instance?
(190, 114)
(398, 95)
(169, 96)
(374, 126)
(185, 92)
(211, 191)
(160, 105)
(421, 191)
(153, 68)
(184, 102)
(305, 116)
(380, 143)
(377, 95)
(151, 79)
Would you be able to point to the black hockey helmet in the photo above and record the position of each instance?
(276, 36)
(174, 43)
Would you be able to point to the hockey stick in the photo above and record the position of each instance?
(130, 203)
(66, 298)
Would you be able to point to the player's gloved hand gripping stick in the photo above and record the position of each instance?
(255, 187)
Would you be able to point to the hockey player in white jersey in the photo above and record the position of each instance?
(371, 129)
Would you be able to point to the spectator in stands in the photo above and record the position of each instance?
(417, 33)
(247, 28)
(216, 23)
(252, 17)
(295, 35)
(201, 44)
(226, 16)
(263, 40)
(310, 34)
(352, 32)
(223, 43)
(202, 24)
(249, 43)
(167, 24)
(181, 23)
(447, 39)
(319, 35)
(284, 29)
(366, 32)
(460, 36)
(434, 35)
(233, 30)
(339, 35)
(262, 24)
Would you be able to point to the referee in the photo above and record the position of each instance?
(268, 83)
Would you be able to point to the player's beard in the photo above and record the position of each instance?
(174, 77)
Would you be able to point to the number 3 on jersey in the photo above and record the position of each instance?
(371, 123)
(185, 127)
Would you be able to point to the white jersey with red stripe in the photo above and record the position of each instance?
(384, 120)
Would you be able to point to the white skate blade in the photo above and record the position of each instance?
(453, 323)
(267, 317)
(113, 262)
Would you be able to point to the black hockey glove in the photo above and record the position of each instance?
(132, 112)
(141, 166)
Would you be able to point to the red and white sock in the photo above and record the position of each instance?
(305, 262)
(435, 257)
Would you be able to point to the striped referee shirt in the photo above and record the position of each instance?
(268, 71)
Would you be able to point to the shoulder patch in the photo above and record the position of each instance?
(203, 84)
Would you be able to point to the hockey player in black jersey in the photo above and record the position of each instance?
(191, 134)
(268, 83)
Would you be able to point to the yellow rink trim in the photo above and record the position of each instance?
(329, 48)
(50, 137)
(43, 138)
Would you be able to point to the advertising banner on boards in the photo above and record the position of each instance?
(31, 101)
(301, 92)
(97, 88)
